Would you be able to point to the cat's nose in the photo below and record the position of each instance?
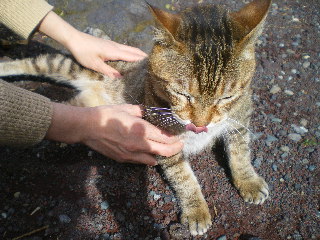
(194, 128)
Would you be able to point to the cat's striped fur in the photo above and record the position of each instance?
(201, 68)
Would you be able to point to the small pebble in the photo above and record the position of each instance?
(303, 122)
(270, 139)
(312, 168)
(294, 137)
(295, 19)
(274, 167)
(104, 205)
(297, 236)
(284, 148)
(63, 218)
(156, 197)
(275, 89)
(305, 57)
(294, 71)
(16, 194)
(223, 237)
(306, 64)
(299, 129)
(257, 162)
(289, 92)
(278, 120)
(305, 161)
(105, 236)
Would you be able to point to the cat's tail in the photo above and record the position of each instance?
(59, 68)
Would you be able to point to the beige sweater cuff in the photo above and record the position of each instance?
(23, 16)
(25, 116)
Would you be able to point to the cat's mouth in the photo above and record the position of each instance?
(195, 129)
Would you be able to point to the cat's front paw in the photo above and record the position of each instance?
(253, 190)
(198, 218)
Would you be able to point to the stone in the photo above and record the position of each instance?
(299, 129)
(104, 205)
(257, 162)
(270, 139)
(223, 237)
(63, 218)
(311, 168)
(16, 194)
(284, 148)
(274, 167)
(289, 92)
(294, 71)
(304, 122)
(306, 64)
(294, 137)
(278, 120)
(275, 89)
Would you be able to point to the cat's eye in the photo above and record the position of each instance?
(188, 97)
(225, 99)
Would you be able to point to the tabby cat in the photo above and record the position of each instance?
(197, 78)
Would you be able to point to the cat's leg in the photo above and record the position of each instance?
(195, 211)
(251, 186)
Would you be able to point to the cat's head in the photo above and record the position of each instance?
(203, 60)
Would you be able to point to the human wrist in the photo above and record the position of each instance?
(68, 124)
(58, 29)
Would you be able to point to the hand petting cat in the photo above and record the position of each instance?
(125, 138)
(116, 131)
(90, 51)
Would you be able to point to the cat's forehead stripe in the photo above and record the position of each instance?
(207, 33)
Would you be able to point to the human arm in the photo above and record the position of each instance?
(115, 131)
(24, 116)
(24, 17)
(90, 51)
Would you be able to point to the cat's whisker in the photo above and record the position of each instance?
(238, 132)
(229, 137)
(242, 125)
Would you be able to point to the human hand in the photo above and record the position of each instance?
(90, 51)
(116, 131)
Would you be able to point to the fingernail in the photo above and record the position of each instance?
(117, 75)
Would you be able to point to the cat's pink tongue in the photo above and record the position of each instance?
(193, 128)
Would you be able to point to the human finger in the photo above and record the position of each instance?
(142, 158)
(133, 50)
(157, 135)
(106, 69)
(128, 56)
(133, 110)
(165, 150)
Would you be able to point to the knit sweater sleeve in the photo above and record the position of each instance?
(25, 116)
(23, 16)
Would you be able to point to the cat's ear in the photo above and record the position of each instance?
(248, 21)
(167, 24)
